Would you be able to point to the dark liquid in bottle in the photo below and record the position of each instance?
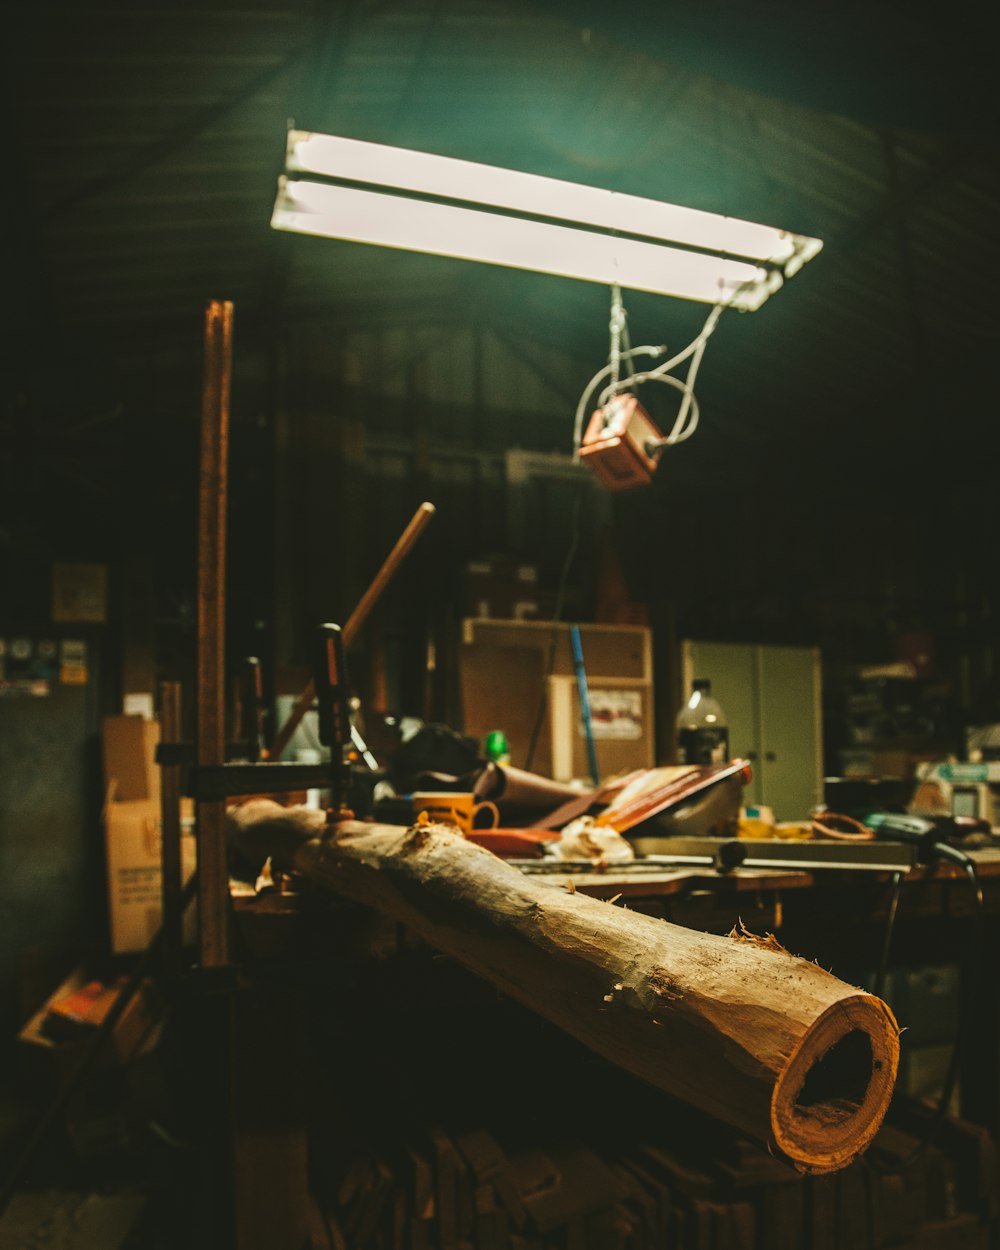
(703, 745)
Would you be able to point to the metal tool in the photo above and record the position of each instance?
(358, 617)
(252, 709)
(724, 854)
(334, 703)
(806, 855)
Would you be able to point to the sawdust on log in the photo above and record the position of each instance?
(740, 933)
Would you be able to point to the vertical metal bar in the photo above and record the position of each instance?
(213, 877)
(170, 847)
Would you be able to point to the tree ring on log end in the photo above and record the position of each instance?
(831, 1097)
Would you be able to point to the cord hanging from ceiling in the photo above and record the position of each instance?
(621, 351)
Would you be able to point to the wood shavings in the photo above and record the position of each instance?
(740, 933)
(265, 880)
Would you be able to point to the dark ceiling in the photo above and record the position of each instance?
(145, 140)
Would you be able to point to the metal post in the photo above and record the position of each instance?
(213, 877)
(170, 848)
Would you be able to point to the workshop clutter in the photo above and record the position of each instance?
(442, 774)
(132, 825)
(66, 1023)
(894, 718)
(438, 770)
(124, 1021)
(518, 1139)
(463, 809)
(461, 1188)
(71, 1219)
(523, 675)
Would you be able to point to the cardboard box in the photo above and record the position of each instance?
(132, 831)
(132, 837)
(129, 752)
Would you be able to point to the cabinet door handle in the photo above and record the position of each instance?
(750, 755)
(770, 756)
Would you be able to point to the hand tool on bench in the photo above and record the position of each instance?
(333, 696)
(251, 726)
(243, 774)
(357, 618)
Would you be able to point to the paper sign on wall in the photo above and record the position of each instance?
(614, 714)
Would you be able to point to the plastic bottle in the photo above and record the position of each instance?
(702, 732)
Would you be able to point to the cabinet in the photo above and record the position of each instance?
(771, 697)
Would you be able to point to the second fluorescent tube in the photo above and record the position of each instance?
(364, 216)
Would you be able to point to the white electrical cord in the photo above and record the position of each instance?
(595, 381)
(616, 328)
(686, 421)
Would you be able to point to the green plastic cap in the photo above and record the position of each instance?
(496, 745)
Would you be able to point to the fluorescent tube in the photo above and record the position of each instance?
(362, 216)
(376, 164)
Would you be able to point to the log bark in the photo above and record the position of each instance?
(736, 1026)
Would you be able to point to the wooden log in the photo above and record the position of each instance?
(736, 1026)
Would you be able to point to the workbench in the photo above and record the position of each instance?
(839, 918)
(625, 882)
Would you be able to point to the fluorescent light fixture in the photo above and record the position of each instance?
(463, 208)
(351, 160)
(468, 234)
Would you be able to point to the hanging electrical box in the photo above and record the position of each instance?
(614, 445)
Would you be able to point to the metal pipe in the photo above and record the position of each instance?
(213, 875)
(170, 842)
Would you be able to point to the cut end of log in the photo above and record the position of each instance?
(831, 1097)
